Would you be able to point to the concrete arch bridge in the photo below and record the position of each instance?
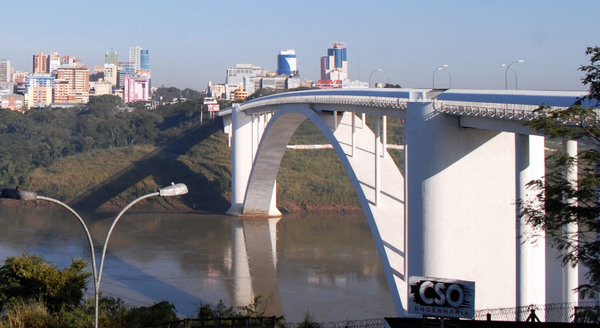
(453, 213)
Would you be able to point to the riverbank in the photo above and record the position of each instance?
(286, 207)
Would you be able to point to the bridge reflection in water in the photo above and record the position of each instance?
(297, 263)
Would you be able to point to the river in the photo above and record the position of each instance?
(324, 265)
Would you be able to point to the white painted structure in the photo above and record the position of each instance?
(453, 214)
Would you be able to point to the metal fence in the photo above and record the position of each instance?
(243, 322)
(368, 323)
(270, 322)
(584, 312)
(558, 312)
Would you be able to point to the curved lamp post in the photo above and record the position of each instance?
(506, 73)
(29, 195)
(439, 68)
(172, 190)
(377, 70)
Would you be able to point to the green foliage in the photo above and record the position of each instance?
(170, 93)
(31, 314)
(559, 202)
(220, 310)
(144, 316)
(308, 322)
(111, 310)
(388, 85)
(28, 277)
(592, 74)
(113, 313)
(41, 136)
(262, 92)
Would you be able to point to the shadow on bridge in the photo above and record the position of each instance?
(163, 166)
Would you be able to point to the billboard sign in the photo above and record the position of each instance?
(438, 297)
(209, 100)
(213, 107)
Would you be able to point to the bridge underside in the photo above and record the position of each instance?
(382, 200)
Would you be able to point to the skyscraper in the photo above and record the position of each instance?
(287, 63)
(5, 69)
(334, 66)
(54, 62)
(135, 57)
(78, 79)
(237, 74)
(40, 63)
(144, 60)
(111, 64)
(111, 57)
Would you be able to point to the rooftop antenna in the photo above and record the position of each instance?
(358, 66)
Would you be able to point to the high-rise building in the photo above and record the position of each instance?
(334, 66)
(135, 57)
(111, 57)
(54, 62)
(111, 74)
(5, 71)
(287, 63)
(235, 75)
(124, 69)
(40, 63)
(111, 65)
(136, 89)
(144, 60)
(324, 68)
(78, 79)
(39, 80)
(61, 91)
(38, 96)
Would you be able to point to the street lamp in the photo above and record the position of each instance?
(172, 190)
(377, 70)
(506, 73)
(433, 75)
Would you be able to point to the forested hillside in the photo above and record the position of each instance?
(103, 155)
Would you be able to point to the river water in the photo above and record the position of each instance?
(322, 265)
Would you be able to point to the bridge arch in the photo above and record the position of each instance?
(467, 160)
(382, 201)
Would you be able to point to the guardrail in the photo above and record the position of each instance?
(517, 112)
(366, 101)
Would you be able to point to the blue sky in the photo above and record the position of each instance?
(194, 41)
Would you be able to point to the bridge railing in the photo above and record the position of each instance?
(366, 101)
(516, 112)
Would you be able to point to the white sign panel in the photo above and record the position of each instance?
(438, 297)
(214, 108)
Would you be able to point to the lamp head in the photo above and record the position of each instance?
(18, 194)
(173, 190)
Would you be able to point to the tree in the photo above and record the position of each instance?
(28, 277)
(388, 85)
(157, 313)
(554, 207)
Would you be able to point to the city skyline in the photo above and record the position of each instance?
(193, 42)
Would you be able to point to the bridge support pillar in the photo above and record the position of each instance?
(242, 153)
(570, 273)
(531, 244)
(461, 204)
